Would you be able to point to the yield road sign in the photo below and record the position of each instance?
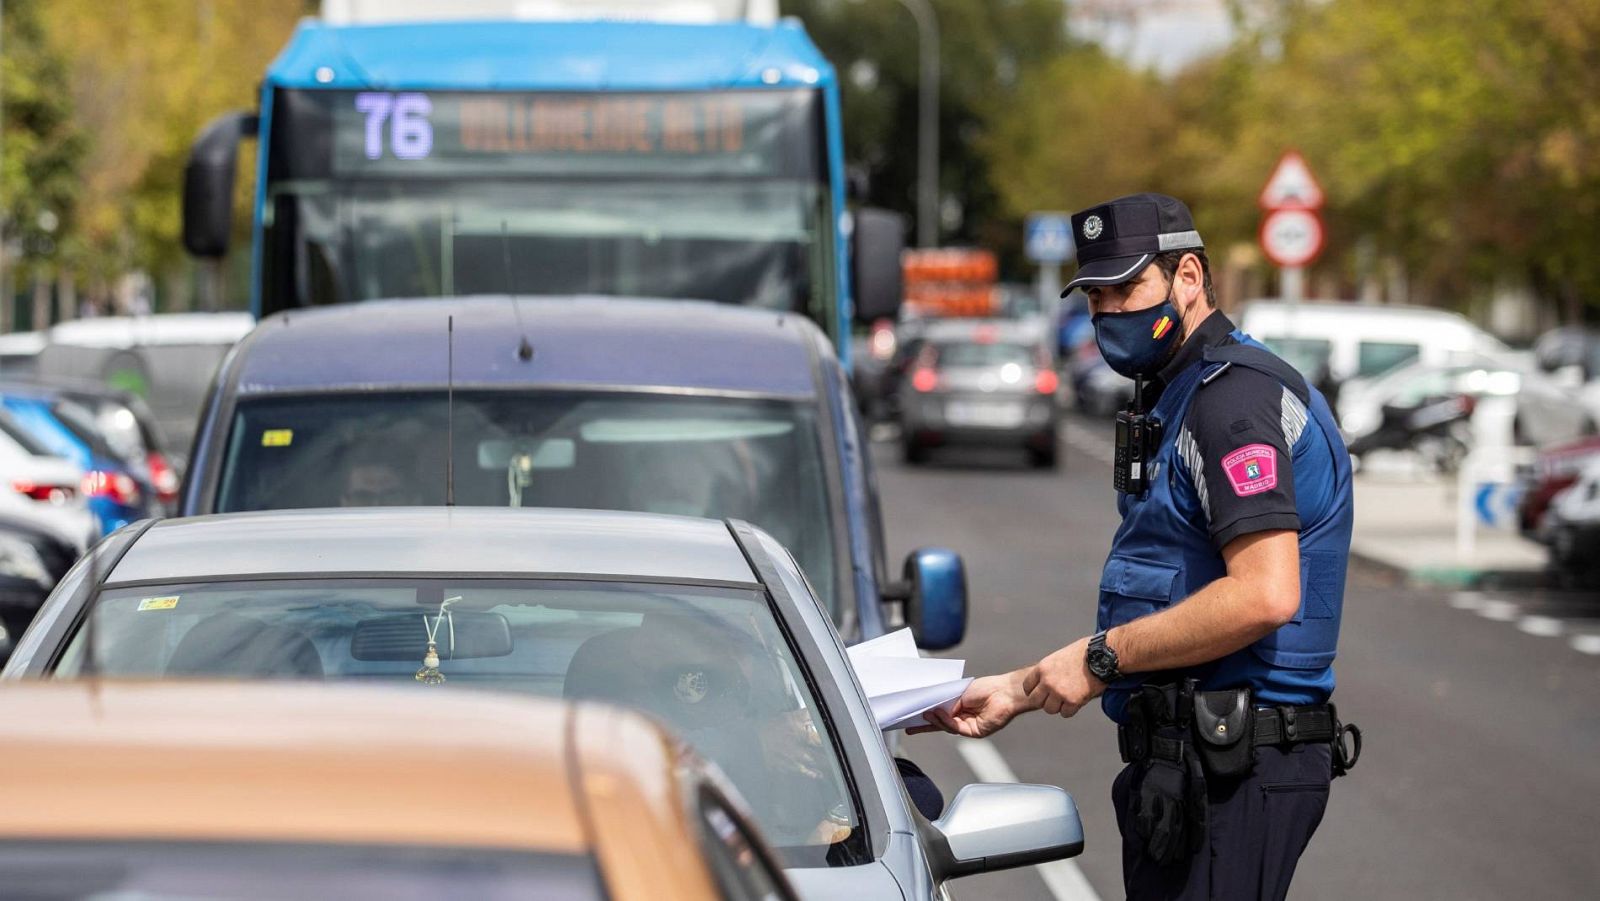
(1292, 186)
(1291, 238)
(1047, 238)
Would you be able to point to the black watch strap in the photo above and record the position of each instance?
(1102, 660)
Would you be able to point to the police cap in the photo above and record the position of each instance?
(1117, 239)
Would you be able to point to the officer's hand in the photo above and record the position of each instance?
(1062, 683)
(987, 705)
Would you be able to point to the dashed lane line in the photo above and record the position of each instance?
(1542, 626)
(1499, 611)
(1062, 877)
(1586, 644)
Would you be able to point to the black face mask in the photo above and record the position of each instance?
(1139, 343)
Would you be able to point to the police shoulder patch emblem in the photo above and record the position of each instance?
(1252, 469)
(1092, 227)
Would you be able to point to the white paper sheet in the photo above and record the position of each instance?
(901, 684)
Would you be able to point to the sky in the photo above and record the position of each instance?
(1163, 34)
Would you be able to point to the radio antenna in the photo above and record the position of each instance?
(450, 412)
(524, 346)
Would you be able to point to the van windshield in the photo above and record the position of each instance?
(715, 457)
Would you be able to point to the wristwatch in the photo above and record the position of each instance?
(1101, 660)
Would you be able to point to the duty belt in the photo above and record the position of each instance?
(1281, 725)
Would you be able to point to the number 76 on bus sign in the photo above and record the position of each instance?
(410, 131)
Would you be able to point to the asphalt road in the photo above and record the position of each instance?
(1481, 775)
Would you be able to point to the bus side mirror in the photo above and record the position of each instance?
(933, 595)
(875, 246)
(208, 184)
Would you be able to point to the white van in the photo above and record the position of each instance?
(1344, 340)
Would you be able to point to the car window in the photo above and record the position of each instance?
(973, 353)
(709, 662)
(1373, 357)
(1309, 356)
(715, 457)
(157, 870)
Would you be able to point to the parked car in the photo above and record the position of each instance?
(709, 626)
(656, 406)
(1554, 470)
(228, 790)
(1335, 341)
(165, 359)
(1571, 529)
(117, 476)
(982, 382)
(1529, 408)
(126, 423)
(37, 547)
(29, 469)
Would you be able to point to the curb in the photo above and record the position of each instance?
(1454, 576)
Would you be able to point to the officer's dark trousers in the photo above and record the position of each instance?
(1258, 826)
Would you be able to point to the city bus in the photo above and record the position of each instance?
(402, 156)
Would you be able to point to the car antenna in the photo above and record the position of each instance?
(450, 411)
(524, 346)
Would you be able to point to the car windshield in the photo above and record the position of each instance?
(1307, 355)
(716, 457)
(983, 354)
(160, 870)
(710, 662)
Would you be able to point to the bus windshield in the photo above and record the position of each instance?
(714, 196)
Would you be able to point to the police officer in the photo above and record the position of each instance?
(1220, 601)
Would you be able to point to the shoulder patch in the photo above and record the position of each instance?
(1252, 469)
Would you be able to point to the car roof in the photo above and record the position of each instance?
(1005, 331)
(415, 541)
(325, 762)
(603, 342)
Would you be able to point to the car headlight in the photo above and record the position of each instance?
(21, 560)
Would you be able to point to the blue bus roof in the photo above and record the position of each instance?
(549, 56)
(588, 342)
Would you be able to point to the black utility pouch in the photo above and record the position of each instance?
(1224, 728)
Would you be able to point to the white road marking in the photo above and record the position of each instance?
(1586, 644)
(1542, 626)
(1467, 600)
(1499, 611)
(1062, 877)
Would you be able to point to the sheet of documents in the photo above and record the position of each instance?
(901, 684)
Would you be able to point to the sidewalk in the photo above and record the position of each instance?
(1408, 526)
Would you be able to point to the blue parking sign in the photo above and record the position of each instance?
(1047, 238)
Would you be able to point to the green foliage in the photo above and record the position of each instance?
(39, 187)
(985, 47)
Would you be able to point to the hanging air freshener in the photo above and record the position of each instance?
(429, 674)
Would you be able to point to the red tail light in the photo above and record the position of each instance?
(55, 494)
(163, 476)
(1046, 382)
(119, 487)
(925, 380)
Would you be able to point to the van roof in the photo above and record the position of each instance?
(589, 342)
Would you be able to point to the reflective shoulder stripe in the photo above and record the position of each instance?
(1294, 418)
(1189, 453)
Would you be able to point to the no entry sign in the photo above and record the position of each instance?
(1291, 238)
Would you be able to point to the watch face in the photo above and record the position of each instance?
(1101, 662)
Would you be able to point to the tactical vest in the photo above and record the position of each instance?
(1163, 551)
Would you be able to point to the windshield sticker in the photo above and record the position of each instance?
(277, 437)
(166, 603)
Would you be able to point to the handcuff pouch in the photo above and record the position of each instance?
(1224, 730)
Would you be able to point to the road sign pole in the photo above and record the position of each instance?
(1049, 282)
(1293, 283)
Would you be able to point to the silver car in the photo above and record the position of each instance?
(707, 625)
(981, 382)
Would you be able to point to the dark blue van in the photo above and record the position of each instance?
(648, 405)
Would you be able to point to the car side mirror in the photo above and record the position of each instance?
(208, 184)
(992, 827)
(933, 590)
(1569, 376)
(876, 241)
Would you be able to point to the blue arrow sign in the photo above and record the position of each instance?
(1495, 501)
(1047, 238)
